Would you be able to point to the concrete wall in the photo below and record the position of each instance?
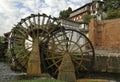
(105, 34)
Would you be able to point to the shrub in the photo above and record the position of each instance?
(86, 18)
(113, 14)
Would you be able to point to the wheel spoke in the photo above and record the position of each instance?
(43, 35)
(66, 39)
(32, 30)
(75, 43)
(87, 51)
(84, 44)
(70, 39)
(29, 40)
(34, 19)
(48, 21)
(23, 57)
(22, 50)
(58, 42)
(30, 21)
(57, 47)
(43, 20)
(55, 72)
(19, 31)
(55, 63)
(18, 37)
(53, 58)
(80, 65)
(84, 67)
(76, 49)
(38, 21)
(25, 23)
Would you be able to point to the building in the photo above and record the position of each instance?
(92, 8)
(81, 26)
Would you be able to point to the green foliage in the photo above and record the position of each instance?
(112, 7)
(1, 47)
(65, 13)
(86, 18)
(113, 14)
(8, 54)
(1, 39)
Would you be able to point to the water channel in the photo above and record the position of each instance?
(7, 75)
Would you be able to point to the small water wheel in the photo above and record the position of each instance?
(27, 36)
(69, 41)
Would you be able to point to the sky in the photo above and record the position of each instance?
(12, 11)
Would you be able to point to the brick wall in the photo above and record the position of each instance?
(105, 34)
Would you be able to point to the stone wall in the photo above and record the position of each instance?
(105, 37)
(107, 62)
(105, 34)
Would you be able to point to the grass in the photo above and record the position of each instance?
(53, 80)
(39, 80)
(92, 80)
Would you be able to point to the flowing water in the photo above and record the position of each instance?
(7, 75)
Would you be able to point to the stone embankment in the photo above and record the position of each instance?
(107, 61)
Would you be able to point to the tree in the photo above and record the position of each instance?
(111, 5)
(65, 13)
(2, 52)
(112, 8)
(86, 18)
(1, 39)
(113, 14)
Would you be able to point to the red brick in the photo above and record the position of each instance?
(105, 34)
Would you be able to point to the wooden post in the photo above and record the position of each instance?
(34, 63)
(66, 69)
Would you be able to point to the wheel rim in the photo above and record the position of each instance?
(24, 34)
(80, 49)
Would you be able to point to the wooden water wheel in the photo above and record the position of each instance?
(27, 36)
(72, 42)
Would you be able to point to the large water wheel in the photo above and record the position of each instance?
(38, 41)
(28, 36)
(72, 42)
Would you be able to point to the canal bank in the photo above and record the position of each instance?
(107, 61)
(7, 75)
